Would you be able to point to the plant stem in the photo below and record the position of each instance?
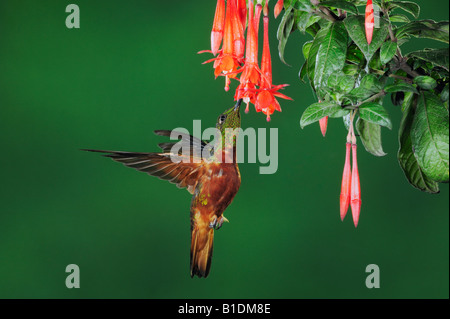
(373, 97)
(402, 61)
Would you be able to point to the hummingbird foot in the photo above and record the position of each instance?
(217, 223)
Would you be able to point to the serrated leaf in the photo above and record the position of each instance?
(356, 30)
(387, 51)
(331, 54)
(340, 4)
(375, 113)
(370, 135)
(284, 30)
(438, 57)
(430, 137)
(425, 82)
(408, 6)
(425, 29)
(317, 111)
(405, 155)
(400, 87)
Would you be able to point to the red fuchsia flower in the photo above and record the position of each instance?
(265, 99)
(238, 32)
(369, 21)
(218, 25)
(356, 189)
(258, 10)
(251, 73)
(227, 62)
(323, 122)
(278, 8)
(346, 183)
(242, 12)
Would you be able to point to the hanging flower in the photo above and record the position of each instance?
(356, 188)
(227, 62)
(218, 25)
(251, 73)
(369, 21)
(346, 183)
(278, 8)
(265, 99)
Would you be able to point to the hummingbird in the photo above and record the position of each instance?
(212, 179)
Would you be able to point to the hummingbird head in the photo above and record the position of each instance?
(228, 124)
(231, 118)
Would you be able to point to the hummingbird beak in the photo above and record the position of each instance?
(238, 104)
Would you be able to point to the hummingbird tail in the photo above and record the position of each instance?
(202, 237)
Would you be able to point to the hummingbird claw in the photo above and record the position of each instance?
(213, 222)
(217, 223)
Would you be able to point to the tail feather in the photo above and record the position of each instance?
(201, 250)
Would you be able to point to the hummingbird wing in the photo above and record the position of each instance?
(194, 144)
(161, 165)
(179, 169)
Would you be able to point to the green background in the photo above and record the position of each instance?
(132, 68)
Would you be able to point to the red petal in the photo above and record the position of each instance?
(218, 26)
(323, 122)
(278, 8)
(346, 183)
(369, 21)
(356, 189)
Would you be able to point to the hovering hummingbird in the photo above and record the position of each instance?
(213, 181)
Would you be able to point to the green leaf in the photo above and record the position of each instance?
(304, 19)
(438, 57)
(284, 30)
(425, 82)
(356, 30)
(387, 51)
(370, 135)
(354, 54)
(425, 29)
(331, 54)
(346, 120)
(340, 4)
(302, 72)
(444, 93)
(305, 49)
(400, 87)
(368, 86)
(405, 155)
(311, 65)
(340, 82)
(408, 6)
(317, 111)
(375, 113)
(303, 5)
(430, 137)
(399, 18)
(350, 69)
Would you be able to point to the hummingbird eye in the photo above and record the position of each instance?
(222, 118)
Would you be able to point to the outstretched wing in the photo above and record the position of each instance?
(182, 170)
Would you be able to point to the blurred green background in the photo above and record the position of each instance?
(132, 68)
